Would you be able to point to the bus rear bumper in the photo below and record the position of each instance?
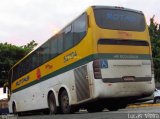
(123, 89)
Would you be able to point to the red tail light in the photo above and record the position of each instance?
(97, 69)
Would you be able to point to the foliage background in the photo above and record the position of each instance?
(9, 55)
(154, 31)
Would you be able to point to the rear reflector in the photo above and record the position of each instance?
(97, 69)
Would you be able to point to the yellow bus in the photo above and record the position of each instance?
(102, 59)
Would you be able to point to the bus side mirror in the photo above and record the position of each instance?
(5, 90)
(5, 86)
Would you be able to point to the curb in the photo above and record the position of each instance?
(144, 105)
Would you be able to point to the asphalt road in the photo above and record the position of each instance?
(144, 112)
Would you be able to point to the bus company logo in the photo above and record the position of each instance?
(70, 56)
(113, 16)
(25, 79)
(124, 34)
(38, 74)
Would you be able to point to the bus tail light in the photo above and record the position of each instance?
(97, 69)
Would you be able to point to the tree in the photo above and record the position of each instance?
(9, 55)
(30, 46)
(154, 30)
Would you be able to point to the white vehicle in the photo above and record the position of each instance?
(102, 59)
(156, 96)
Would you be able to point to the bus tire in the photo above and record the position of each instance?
(14, 108)
(52, 104)
(64, 103)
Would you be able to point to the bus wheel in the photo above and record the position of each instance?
(52, 104)
(14, 108)
(64, 103)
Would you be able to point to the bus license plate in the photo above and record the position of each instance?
(128, 78)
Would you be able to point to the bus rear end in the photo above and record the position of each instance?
(122, 66)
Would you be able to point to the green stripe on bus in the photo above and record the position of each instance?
(86, 60)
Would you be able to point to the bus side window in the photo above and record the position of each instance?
(53, 47)
(44, 53)
(68, 38)
(27, 65)
(80, 28)
(20, 67)
(60, 43)
(34, 61)
(15, 74)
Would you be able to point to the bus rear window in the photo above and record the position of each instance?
(123, 42)
(117, 19)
